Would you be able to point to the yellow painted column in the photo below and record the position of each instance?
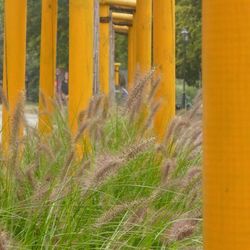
(47, 64)
(14, 63)
(164, 60)
(144, 35)
(131, 56)
(117, 73)
(105, 48)
(81, 56)
(226, 81)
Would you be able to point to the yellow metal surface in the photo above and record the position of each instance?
(121, 29)
(125, 3)
(122, 17)
(14, 63)
(81, 35)
(104, 51)
(164, 60)
(226, 81)
(117, 73)
(144, 35)
(47, 64)
(131, 56)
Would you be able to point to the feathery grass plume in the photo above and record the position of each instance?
(154, 86)
(192, 173)
(138, 90)
(40, 193)
(174, 129)
(17, 120)
(90, 108)
(109, 166)
(16, 131)
(133, 151)
(83, 127)
(181, 230)
(22, 176)
(187, 138)
(98, 103)
(4, 99)
(117, 210)
(31, 177)
(5, 241)
(67, 163)
(44, 147)
(135, 219)
(166, 168)
(182, 227)
(194, 111)
(150, 118)
(81, 117)
(84, 168)
(198, 97)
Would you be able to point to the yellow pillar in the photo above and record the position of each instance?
(144, 35)
(47, 64)
(14, 62)
(164, 60)
(131, 56)
(226, 79)
(105, 48)
(81, 35)
(117, 73)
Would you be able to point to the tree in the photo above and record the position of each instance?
(188, 15)
(33, 43)
(121, 49)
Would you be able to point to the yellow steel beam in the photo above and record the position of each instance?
(226, 78)
(121, 29)
(81, 35)
(105, 48)
(47, 64)
(117, 73)
(125, 3)
(14, 64)
(164, 60)
(144, 35)
(122, 17)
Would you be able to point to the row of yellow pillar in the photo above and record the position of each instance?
(81, 56)
(226, 61)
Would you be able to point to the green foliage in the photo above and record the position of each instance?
(188, 15)
(121, 52)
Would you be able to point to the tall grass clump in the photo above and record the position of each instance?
(127, 192)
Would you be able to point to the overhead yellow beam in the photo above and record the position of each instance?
(121, 29)
(14, 65)
(122, 17)
(164, 60)
(81, 65)
(226, 88)
(125, 3)
(47, 64)
(105, 49)
(144, 35)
